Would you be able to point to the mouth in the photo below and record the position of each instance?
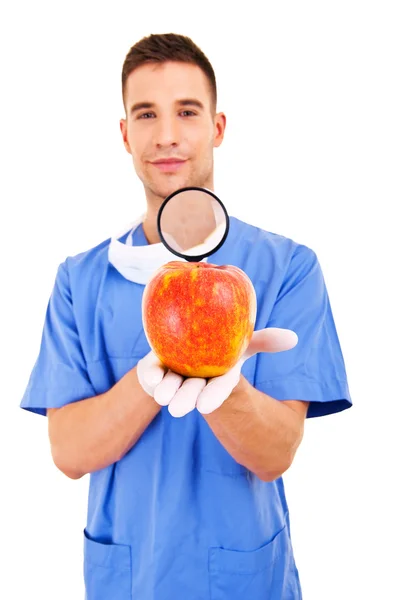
(168, 164)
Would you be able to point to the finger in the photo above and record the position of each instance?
(218, 390)
(208, 401)
(150, 372)
(271, 339)
(185, 399)
(154, 374)
(168, 387)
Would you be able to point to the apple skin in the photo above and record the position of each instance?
(199, 317)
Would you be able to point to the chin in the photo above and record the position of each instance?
(163, 187)
(173, 185)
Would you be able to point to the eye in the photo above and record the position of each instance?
(188, 113)
(147, 115)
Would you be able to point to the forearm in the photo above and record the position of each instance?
(260, 432)
(91, 434)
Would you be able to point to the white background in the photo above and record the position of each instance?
(310, 90)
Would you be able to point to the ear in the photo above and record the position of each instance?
(123, 128)
(220, 126)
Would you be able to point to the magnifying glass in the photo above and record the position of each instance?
(193, 223)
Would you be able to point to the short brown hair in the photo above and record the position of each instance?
(160, 48)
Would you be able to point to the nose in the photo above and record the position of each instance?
(167, 132)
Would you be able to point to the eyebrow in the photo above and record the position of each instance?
(191, 102)
(183, 102)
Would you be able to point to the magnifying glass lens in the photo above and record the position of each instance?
(193, 223)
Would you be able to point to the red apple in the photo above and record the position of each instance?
(199, 317)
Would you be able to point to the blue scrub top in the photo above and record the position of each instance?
(177, 517)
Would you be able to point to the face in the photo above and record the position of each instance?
(171, 128)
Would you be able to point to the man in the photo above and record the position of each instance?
(192, 507)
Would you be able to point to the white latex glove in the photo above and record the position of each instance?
(183, 395)
(167, 387)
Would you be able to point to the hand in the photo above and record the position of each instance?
(182, 396)
(167, 387)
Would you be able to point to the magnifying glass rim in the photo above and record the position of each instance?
(199, 257)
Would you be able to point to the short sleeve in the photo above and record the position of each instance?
(314, 370)
(59, 376)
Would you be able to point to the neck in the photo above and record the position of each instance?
(150, 226)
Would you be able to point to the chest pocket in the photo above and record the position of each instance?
(118, 322)
(213, 457)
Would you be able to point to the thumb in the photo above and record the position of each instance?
(271, 339)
